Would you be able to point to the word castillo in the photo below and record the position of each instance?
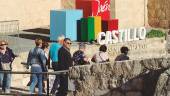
(123, 35)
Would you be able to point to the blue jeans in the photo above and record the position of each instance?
(5, 81)
(36, 78)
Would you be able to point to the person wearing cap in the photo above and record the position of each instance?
(123, 56)
(53, 52)
(6, 58)
(79, 56)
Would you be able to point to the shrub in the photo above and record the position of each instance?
(155, 33)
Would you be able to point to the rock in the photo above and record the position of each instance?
(74, 73)
(161, 85)
(137, 69)
(164, 23)
(133, 94)
(158, 13)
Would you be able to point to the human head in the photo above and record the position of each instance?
(124, 50)
(82, 46)
(38, 42)
(3, 44)
(103, 48)
(67, 43)
(45, 45)
(60, 39)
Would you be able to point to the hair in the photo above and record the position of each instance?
(124, 49)
(4, 42)
(103, 48)
(61, 37)
(67, 39)
(82, 45)
(38, 41)
(45, 45)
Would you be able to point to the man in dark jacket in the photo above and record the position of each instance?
(64, 61)
(123, 56)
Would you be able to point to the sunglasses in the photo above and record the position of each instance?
(69, 43)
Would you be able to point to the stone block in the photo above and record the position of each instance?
(137, 68)
(164, 23)
(154, 22)
(118, 69)
(150, 63)
(74, 73)
(127, 67)
(95, 68)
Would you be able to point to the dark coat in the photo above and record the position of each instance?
(7, 57)
(64, 59)
(122, 57)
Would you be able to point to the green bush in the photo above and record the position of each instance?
(155, 33)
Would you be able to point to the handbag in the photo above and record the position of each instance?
(6, 66)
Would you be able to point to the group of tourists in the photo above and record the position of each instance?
(56, 56)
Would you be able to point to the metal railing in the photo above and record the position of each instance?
(44, 73)
(9, 27)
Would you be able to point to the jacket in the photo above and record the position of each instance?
(37, 56)
(64, 59)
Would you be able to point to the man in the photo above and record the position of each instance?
(79, 56)
(65, 61)
(123, 56)
(37, 61)
(55, 46)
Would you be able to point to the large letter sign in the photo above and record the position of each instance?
(101, 34)
(124, 35)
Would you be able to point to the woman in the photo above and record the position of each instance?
(6, 58)
(37, 60)
(124, 54)
(101, 56)
(45, 47)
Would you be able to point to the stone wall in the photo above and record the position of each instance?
(128, 78)
(159, 13)
(30, 13)
(138, 50)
